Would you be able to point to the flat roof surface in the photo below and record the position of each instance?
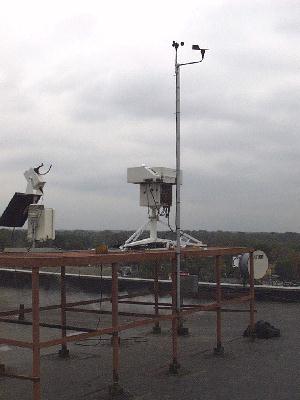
(263, 369)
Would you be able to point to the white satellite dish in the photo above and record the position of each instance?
(261, 264)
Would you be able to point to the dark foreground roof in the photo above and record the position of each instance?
(264, 369)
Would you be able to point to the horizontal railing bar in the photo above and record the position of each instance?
(86, 258)
(17, 343)
(69, 304)
(108, 312)
(24, 377)
(46, 325)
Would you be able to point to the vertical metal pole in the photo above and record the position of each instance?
(63, 352)
(156, 328)
(153, 224)
(218, 282)
(36, 334)
(114, 301)
(115, 388)
(252, 296)
(177, 74)
(219, 350)
(21, 316)
(174, 366)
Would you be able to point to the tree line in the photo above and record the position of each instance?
(282, 249)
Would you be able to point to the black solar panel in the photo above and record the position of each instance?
(16, 212)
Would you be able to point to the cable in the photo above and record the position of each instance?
(156, 205)
(35, 224)
(171, 229)
(99, 339)
(165, 209)
(148, 202)
(12, 237)
(135, 339)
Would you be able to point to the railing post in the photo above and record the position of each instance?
(156, 329)
(63, 352)
(252, 296)
(115, 389)
(174, 366)
(219, 350)
(36, 334)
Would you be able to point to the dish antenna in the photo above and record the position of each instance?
(260, 261)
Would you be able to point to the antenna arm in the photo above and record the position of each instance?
(193, 62)
(37, 169)
(45, 173)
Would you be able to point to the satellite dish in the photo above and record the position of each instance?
(260, 261)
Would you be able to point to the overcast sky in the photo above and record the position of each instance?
(89, 86)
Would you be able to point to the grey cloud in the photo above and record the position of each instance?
(93, 113)
(290, 27)
(15, 98)
(136, 96)
(224, 200)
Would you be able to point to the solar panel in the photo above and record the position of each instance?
(16, 213)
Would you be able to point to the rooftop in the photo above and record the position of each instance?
(263, 369)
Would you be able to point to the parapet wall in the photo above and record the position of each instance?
(93, 284)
